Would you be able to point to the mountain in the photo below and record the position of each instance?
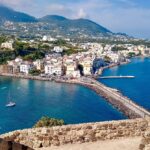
(77, 25)
(51, 18)
(54, 25)
(8, 14)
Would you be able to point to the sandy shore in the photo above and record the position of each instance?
(120, 144)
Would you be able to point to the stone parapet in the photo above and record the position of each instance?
(81, 133)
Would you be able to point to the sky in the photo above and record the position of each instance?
(126, 16)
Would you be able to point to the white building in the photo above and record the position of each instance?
(57, 49)
(18, 60)
(39, 64)
(87, 65)
(26, 67)
(52, 69)
(7, 45)
(48, 38)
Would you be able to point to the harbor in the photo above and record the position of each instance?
(113, 96)
(64, 98)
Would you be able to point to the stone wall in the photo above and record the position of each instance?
(9, 145)
(90, 132)
(145, 143)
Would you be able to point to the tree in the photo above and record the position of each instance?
(131, 54)
(34, 56)
(35, 72)
(6, 55)
(107, 59)
(2, 39)
(118, 48)
(48, 122)
(60, 42)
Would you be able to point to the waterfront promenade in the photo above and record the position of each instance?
(122, 103)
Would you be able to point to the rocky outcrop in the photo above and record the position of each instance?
(90, 132)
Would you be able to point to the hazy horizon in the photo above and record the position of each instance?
(126, 16)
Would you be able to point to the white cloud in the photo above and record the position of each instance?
(81, 14)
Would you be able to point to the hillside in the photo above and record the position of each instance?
(80, 26)
(54, 25)
(8, 14)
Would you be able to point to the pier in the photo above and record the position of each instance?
(128, 107)
(117, 77)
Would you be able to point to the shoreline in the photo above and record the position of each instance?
(110, 66)
(115, 98)
(123, 104)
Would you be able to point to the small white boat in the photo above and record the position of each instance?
(11, 104)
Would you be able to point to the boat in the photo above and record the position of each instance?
(11, 104)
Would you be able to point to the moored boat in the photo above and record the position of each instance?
(11, 104)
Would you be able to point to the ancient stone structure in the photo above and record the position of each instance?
(9, 145)
(145, 143)
(81, 133)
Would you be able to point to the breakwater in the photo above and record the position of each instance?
(121, 102)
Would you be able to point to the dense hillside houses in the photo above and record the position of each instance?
(53, 65)
(65, 58)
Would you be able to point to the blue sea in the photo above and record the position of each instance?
(34, 99)
(137, 89)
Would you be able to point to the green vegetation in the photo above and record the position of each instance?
(131, 54)
(60, 42)
(6, 55)
(48, 122)
(34, 56)
(44, 47)
(2, 39)
(70, 51)
(107, 59)
(32, 51)
(34, 72)
(22, 48)
(118, 48)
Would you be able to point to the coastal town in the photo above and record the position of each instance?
(74, 75)
(86, 59)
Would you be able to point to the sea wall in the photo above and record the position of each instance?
(81, 133)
